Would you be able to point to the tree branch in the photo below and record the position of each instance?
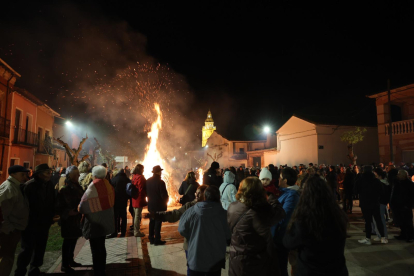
(69, 151)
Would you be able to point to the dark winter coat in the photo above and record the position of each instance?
(332, 180)
(402, 195)
(240, 175)
(325, 257)
(120, 182)
(369, 189)
(210, 178)
(42, 203)
(349, 181)
(140, 183)
(252, 249)
(68, 199)
(190, 196)
(157, 194)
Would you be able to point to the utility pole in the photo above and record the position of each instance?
(390, 122)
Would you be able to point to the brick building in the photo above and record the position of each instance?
(402, 117)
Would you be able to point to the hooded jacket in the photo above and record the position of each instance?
(210, 178)
(205, 227)
(252, 249)
(227, 190)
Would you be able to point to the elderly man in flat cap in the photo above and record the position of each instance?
(15, 210)
(40, 193)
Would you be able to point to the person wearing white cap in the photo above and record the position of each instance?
(266, 178)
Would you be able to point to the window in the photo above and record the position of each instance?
(17, 118)
(26, 164)
(64, 158)
(241, 150)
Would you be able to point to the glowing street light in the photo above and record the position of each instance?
(206, 146)
(69, 123)
(266, 129)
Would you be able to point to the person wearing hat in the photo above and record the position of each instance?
(157, 201)
(213, 175)
(15, 210)
(40, 193)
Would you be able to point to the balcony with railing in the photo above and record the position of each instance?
(400, 127)
(4, 127)
(25, 137)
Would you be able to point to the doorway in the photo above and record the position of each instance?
(257, 162)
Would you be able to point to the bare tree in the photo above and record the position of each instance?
(106, 156)
(351, 138)
(73, 153)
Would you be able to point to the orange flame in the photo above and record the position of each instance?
(153, 157)
(200, 176)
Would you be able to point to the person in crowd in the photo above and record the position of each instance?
(402, 199)
(369, 189)
(250, 218)
(266, 178)
(384, 200)
(120, 182)
(109, 175)
(40, 193)
(62, 180)
(240, 174)
(340, 180)
(348, 185)
(228, 190)
(157, 201)
(138, 202)
(318, 230)
(205, 227)
(332, 180)
(83, 171)
(68, 200)
(275, 175)
(15, 211)
(98, 218)
(56, 175)
(128, 172)
(246, 172)
(188, 187)
(322, 174)
(289, 200)
(175, 215)
(213, 175)
(236, 182)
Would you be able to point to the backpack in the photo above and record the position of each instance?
(131, 190)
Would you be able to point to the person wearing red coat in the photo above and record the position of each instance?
(138, 202)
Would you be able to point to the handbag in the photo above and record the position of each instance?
(182, 199)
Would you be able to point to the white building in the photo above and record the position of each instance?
(302, 141)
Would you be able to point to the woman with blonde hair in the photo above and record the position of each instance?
(188, 188)
(250, 218)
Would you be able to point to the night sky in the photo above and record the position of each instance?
(251, 62)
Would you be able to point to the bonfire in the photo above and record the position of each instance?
(153, 158)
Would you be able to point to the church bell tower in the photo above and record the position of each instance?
(208, 128)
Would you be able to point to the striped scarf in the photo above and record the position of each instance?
(99, 196)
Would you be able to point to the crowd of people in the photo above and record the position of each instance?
(267, 217)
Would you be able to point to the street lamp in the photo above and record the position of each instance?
(266, 129)
(69, 123)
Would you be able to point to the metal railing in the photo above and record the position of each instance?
(4, 127)
(25, 137)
